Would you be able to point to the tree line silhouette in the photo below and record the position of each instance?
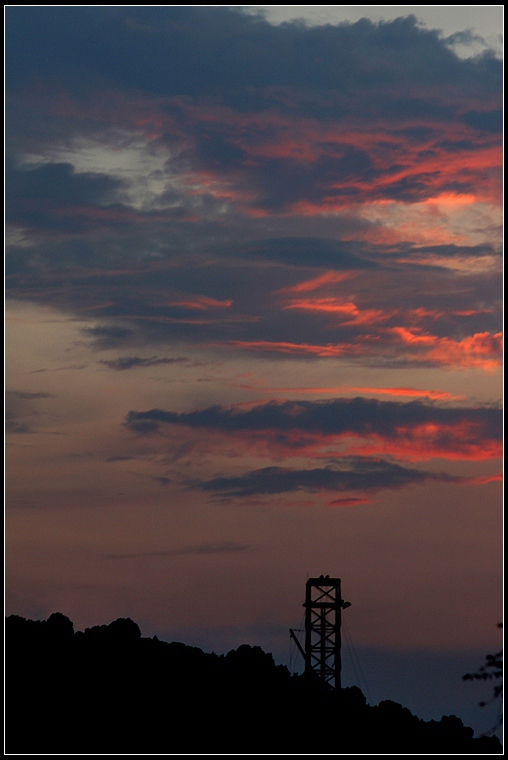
(110, 690)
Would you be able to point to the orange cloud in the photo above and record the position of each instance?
(483, 480)
(442, 157)
(482, 350)
(338, 389)
(348, 309)
(301, 349)
(419, 444)
(415, 444)
(357, 316)
(471, 312)
(327, 278)
(452, 199)
(462, 441)
(465, 440)
(342, 427)
(479, 350)
(413, 392)
(447, 154)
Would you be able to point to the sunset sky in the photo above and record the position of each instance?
(254, 328)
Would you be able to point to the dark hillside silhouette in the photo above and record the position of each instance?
(109, 690)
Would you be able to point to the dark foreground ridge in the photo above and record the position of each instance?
(108, 690)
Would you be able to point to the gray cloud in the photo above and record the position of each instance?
(337, 416)
(80, 44)
(130, 362)
(108, 336)
(348, 474)
(34, 197)
(307, 252)
(298, 74)
(287, 124)
(129, 313)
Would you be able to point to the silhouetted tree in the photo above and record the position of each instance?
(108, 690)
(491, 669)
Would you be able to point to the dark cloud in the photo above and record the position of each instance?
(216, 48)
(143, 304)
(490, 121)
(130, 362)
(20, 412)
(465, 37)
(108, 336)
(271, 138)
(348, 474)
(307, 252)
(42, 197)
(219, 547)
(57, 184)
(337, 416)
(57, 369)
(270, 111)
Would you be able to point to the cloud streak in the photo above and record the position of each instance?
(409, 392)
(482, 350)
(349, 474)
(366, 426)
(218, 547)
(123, 363)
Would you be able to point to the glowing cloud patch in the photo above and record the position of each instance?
(302, 349)
(356, 426)
(329, 278)
(479, 350)
(202, 303)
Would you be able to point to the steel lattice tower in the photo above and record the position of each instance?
(323, 606)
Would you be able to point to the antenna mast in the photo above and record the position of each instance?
(323, 606)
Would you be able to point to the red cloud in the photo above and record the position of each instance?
(421, 443)
(339, 389)
(341, 308)
(413, 392)
(298, 349)
(461, 442)
(349, 314)
(481, 350)
(483, 480)
(327, 278)
(201, 303)
(444, 156)
(453, 434)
